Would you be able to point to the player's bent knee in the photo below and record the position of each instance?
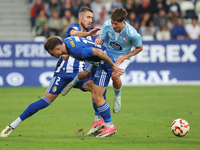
(50, 97)
(114, 77)
(86, 86)
(87, 74)
(83, 75)
(98, 100)
(96, 97)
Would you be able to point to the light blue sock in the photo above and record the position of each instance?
(34, 107)
(104, 111)
(75, 80)
(117, 92)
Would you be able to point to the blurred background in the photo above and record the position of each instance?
(170, 30)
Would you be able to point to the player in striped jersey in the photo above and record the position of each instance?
(103, 66)
(67, 68)
(79, 29)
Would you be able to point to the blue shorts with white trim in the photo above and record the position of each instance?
(101, 74)
(59, 81)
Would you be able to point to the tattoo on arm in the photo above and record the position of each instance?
(102, 55)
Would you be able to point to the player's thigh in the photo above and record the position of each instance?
(125, 64)
(99, 76)
(58, 83)
(98, 91)
(84, 85)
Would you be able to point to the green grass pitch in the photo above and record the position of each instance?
(143, 123)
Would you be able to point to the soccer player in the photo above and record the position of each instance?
(82, 29)
(119, 37)
(103, 66)
(67, 68)
(62, 76)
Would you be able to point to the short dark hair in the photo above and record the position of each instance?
(51, 43)
(84, 9)
(119, 14)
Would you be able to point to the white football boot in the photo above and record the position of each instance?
(6, 132)
(117, 104)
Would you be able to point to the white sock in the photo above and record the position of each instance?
(117, 92)
(15, 123)
(109, 124)
(97, 118)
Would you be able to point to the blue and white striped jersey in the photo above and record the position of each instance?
(71, 65)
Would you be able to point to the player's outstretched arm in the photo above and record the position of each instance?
(121, 58)
(98, 41)
(93, 32)
(102, 55)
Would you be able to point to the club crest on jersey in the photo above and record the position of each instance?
(89, 38)
(109, 34)
(124, 39)
(75, 28)
(54, 89)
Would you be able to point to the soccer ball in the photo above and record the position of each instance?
(180, 127)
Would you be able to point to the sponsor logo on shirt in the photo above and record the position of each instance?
(115, 45)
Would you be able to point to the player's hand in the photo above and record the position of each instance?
(98, 41)
(118, 71)
(120, 59)
(94, 31)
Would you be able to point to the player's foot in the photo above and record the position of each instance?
(107, 131)
(6, 132)
(97, 125)
(67, 88)
(117, 104)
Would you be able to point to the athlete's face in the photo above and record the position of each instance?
(86, 20)
(117, 26)
(55, 52)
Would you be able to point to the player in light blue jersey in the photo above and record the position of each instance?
(119, 37)
(103, 66)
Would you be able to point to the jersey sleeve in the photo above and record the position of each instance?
(72, 26)
(136, 39)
